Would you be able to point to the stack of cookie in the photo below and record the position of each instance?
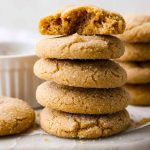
(83, 97)
(136, 60)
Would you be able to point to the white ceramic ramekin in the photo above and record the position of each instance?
(16, 71)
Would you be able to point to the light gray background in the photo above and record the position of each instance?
(24, 14)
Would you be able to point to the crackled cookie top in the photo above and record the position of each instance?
(82, 19)
(70, 99)
(137, 29)
(15, 116)
(80, 47)
(83, 126)
(81, 73)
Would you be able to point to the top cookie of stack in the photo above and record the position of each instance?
(86, 99)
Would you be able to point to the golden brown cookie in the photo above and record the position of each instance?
(83, 126)
(84, 19)
(80, 47)
(137, 72)
(140, 94)
(16, 116)
(81, 100)
(81, 73)
(137, 29)
(136, 52)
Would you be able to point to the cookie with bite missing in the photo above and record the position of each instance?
(83, 19)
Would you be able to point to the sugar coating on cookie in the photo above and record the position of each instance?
(83, 126)
(137, 72)
(88, 20)
(16, 116)
(70, 99)
(81, 73)
(140, 94)
(137, 29)
(80, 47)
(136, 52)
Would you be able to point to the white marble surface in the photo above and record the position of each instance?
(135, 140)
(138, 139)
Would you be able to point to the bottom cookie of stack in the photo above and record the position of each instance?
(83, 126)
(140, 94)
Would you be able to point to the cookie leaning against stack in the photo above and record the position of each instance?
(136, 59)
(83, 94)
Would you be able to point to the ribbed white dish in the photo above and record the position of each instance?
(16, 72)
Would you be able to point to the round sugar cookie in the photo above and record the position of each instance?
(80, 47)
(81, 100)
(16, 116)
(83, 126)
(81, 73)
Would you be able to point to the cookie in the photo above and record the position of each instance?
(83, 126)
(81, 73)
(70, 99)
(140, 94)
(137, 72)
(80, 47)
(16, 116)
(137, 29)
(84, 19)
(136, 52)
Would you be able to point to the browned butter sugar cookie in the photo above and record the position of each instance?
(81, 73)
(80, 47)
(16, 116)
(83, 126)
(83, 19)
(81, 100)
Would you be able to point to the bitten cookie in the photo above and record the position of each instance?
(137, 29)
(86, 20)
(15, 116)
(83, 126)
(81, 73)
(81, 100)
(137, 72)
(136, 52)
(140, 94)
(80, 47)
